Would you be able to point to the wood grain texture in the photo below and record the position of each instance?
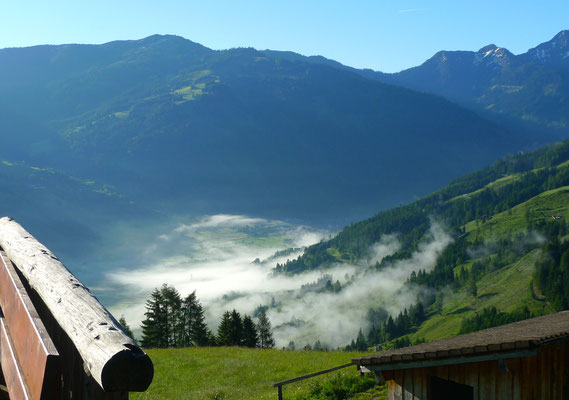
(408, 384)
(514, 366)
(540, 377)
(10, 367)
(33, 348)
(114, 360)
(398, 391)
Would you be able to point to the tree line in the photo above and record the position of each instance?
(386, 328)
(538, 172)
(173, 321)
(552, 273)
(490, 317)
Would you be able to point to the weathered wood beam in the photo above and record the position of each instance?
(300, 378)
(450, 361)
(113, 359)
(36, 354)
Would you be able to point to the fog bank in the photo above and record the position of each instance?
(214, 256)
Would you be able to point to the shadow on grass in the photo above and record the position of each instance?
(488, 295)
(461, 310)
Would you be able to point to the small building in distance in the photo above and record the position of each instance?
(524, 360)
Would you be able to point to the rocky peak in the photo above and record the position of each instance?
(493, 54)
(554, 51)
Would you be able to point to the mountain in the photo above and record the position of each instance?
(527, 90)
(68, 212)
(508, 256)
(179, 127)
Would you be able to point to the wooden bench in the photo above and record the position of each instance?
(56, 340)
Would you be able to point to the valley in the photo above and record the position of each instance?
(358, 210)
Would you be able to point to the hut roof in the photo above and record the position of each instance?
(523, 335)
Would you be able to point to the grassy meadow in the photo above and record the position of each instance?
(232, 373)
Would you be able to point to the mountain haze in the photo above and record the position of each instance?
(177, 126)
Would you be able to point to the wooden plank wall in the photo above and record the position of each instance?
(545, 376)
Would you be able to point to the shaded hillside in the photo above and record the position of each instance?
(70, 213)
(473, 197)
(179, 126)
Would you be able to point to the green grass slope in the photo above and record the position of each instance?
(229, 373)
(508, 288)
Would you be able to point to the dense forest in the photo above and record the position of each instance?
(552, 273)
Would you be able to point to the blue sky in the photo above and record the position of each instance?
(386, 35)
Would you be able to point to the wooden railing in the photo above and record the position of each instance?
(56, 340)
(279, 385)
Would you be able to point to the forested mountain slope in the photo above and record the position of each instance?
(478, 195)
(178, 126)
(508, 258)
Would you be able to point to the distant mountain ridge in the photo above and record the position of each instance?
(178, 126)
(525, 92)
(530, 88)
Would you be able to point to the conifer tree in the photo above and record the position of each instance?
(250, 337)
(172, 303)
(472, 287)
(361, 343)
(266, 340)
(195, 332)
(154, 326)
(125, 327)
(224, 330)
(236, 334)
(201, 335)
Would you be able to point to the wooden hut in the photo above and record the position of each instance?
(523, 360)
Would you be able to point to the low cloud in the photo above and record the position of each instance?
(214, 256)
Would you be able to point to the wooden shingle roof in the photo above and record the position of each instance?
(522, 335)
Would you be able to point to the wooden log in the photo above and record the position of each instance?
(113, 359)
(34, 349)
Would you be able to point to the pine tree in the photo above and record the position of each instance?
(155, 325)
(125, 327)
(201, 335)
(472, 288)
(250, 337)
(173, 309)
(224, 330)
(195, 332)
(236, 334)
(361, 344)
(266, 340)
(390, 329)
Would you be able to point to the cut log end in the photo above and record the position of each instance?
(129, 370)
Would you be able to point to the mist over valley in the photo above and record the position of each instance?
(261, 198)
